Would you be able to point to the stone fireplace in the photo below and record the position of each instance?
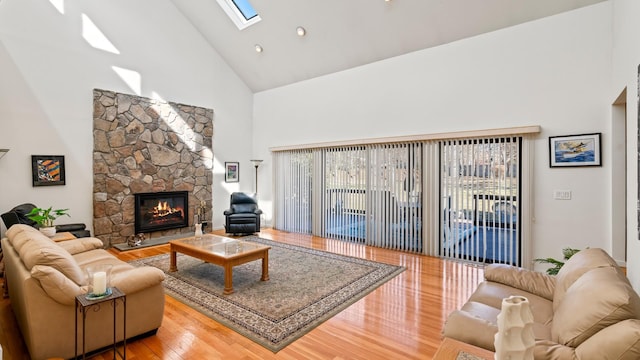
(161, 211)
(142, 146)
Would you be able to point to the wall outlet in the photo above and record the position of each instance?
(562, 194)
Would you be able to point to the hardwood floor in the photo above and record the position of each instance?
(402, 319)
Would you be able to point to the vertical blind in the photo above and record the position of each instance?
(368, 194)
(394, 196)
(458, 198)
(480, 199)
(343, 189)
(293, 172)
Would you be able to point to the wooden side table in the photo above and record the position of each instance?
(63, 236)
(450, 349)
(83, 304)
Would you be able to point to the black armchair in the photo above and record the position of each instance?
(18, 215)
(243, 216)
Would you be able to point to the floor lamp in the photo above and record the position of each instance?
(256, 163)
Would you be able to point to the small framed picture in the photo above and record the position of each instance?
(231, 171)
(575, 150)
(47, 170)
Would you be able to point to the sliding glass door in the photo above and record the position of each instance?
(480, 199)
(293, 191)
(368, 194)
(394, 196)
(458, 198)
(344, 193)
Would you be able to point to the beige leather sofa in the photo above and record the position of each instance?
(588, 311)
(44, 277)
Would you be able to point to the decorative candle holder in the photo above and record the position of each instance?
(514, 339)
(198, 233)
(99, 279)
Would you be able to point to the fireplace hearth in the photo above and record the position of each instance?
(161, 211)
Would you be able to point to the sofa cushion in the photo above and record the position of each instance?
(57, 285)
(599, 298)
(619, 341)
(20, 234)
(576, 266)
(94, 257)
(534, 282)
(76, 246)
(17, 228)
(40, 252)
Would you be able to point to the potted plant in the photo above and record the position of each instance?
(45, 218)
(567, 253)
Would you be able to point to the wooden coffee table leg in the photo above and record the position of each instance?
(265, 266)
(228, 279)
(174, 263)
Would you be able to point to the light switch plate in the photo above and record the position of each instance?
(562, 194)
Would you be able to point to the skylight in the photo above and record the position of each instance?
(245, 8)
(240, 12)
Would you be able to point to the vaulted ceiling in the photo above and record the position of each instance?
(342, 34)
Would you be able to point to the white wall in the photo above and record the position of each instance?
(48, 69)
(626, 57)
(554, 72)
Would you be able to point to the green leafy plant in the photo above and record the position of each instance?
(45, 217)
(567, 253)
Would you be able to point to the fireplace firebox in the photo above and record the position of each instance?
(161, 211)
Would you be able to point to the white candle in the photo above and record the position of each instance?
(100, 282)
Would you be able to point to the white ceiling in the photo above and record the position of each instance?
(342, 34)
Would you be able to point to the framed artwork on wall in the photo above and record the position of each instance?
(575, 150)
(231, 171)
(47, 170)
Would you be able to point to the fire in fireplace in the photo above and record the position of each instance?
(161, 211)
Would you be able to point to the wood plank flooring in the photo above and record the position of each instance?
(402, 319)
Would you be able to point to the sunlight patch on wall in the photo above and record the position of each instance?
(183, 130)
(132, 78)
(95, 37)
(59, 5)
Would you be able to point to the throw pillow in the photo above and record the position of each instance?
(56, 285)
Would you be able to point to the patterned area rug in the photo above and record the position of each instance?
(306, 288)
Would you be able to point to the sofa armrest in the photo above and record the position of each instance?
(465, 327)
(228, 212)
(534, 282)
(137, 279)
(80, 245)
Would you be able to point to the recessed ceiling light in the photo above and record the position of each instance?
(258, 48)
(301, 31)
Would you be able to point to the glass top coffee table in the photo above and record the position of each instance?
(221, 251)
